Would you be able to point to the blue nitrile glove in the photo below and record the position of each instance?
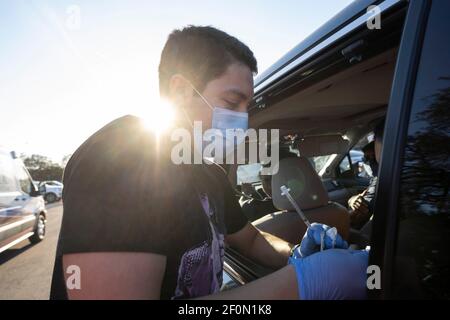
(316, 236)
(335, 274)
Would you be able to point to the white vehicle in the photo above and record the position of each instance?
(51, 190)
(22, 209)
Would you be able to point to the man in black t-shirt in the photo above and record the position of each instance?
(138, 226)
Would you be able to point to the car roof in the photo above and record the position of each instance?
(341, 19)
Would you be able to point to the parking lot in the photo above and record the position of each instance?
(26, 269)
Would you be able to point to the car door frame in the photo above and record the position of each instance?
(384, 232)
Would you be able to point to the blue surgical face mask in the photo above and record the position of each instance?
(225, 120)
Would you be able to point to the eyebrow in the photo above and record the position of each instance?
(239, 93)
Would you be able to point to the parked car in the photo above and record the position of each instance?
(340, 82)
(51, 190)
(22, 207)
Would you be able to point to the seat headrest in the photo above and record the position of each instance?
(322, 145)
(306, 187)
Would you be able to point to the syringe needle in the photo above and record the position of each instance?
(285, 192)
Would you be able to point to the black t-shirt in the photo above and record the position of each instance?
(122, 193)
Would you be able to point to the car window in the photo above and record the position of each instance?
(7, 174)
(248, 173)
(320, 163)
(423, 240)
(24, 180)
(357, 158)
(344, 165)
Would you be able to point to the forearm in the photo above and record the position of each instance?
(270, 250)
(281, 284)
(260, 247)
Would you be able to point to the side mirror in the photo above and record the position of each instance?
(34, 191)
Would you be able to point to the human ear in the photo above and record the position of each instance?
(180, 90)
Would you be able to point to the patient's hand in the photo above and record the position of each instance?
(358, 201)
(359, 213)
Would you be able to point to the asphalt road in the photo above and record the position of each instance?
(26, 269)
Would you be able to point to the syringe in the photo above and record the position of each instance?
(285, 192)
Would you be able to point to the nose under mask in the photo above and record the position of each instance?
(228, 125)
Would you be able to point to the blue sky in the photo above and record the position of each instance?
(59, 83)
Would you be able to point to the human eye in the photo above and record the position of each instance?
(231, 104)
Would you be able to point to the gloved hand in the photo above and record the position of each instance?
(335, 274)
(316, 237)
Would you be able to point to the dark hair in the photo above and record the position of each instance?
(201, 54)
(379, 130)
(369, 147)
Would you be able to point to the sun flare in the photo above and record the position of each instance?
(159, 117)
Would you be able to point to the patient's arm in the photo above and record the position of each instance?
(289, 227)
